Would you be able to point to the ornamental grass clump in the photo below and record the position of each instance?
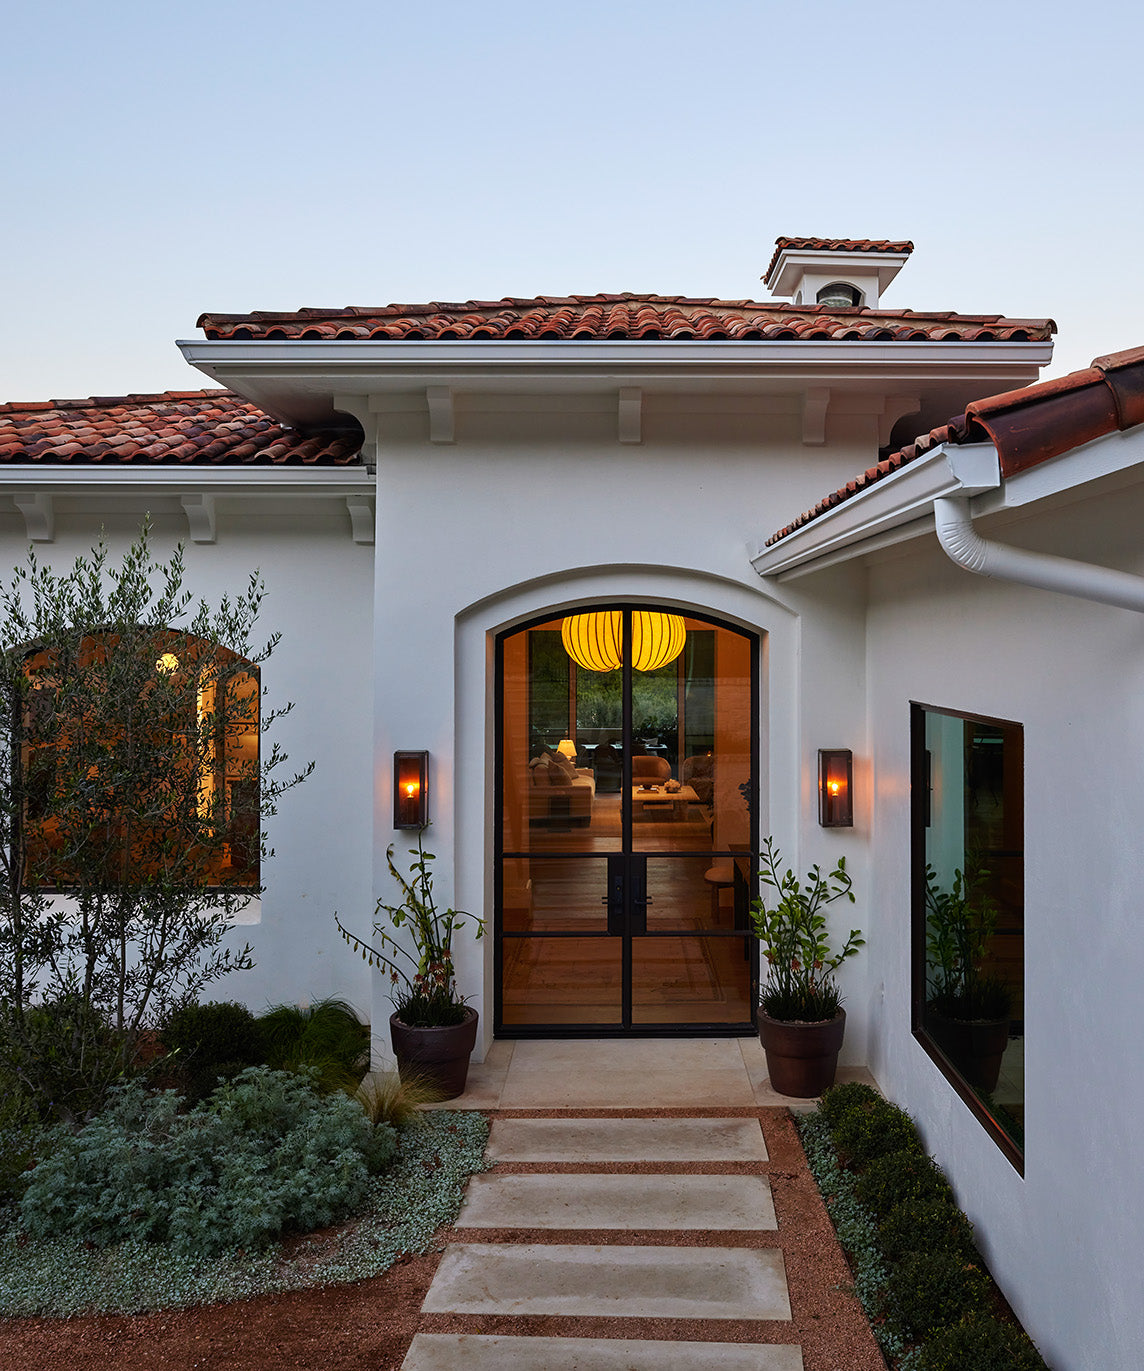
(389, 1097)
(326, 1039)
(424, 981)
(264, 1155)
(800, 985)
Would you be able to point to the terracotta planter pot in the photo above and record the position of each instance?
(802, 1057)
(974, 1046)
(437, 1055)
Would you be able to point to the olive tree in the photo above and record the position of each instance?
(133, 794)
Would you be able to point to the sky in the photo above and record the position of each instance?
(162, 159)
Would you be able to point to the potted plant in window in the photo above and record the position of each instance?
(967, 1010)
(801, 1019)
(432, 1029)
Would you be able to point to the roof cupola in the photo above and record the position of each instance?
(841, 273)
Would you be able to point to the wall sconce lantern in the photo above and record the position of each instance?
(410, 789)
(835, 788)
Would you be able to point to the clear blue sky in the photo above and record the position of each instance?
(162, 159)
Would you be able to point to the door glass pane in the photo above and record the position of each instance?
(554, 895)
(691, 980)
(562, 981)
(553, 800)
(698, 894)
(691, 746)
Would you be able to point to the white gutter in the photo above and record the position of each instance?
(891, 510)
(965, 546)
(434, 356)
(34, 490)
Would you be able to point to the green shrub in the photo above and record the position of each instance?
(840, 1099)
(20, 1132)
(264, 1155)
(212, 1041)
(900, 1176)
(983, 1343)
(871, 1130)
(931, 1290)
(326, 1037)
(62, 1055)
(925, 1226)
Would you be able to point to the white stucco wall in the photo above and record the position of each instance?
(535, 510)
(319, 596)
(1065, 1242)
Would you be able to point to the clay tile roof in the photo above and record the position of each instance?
(206, 427)
(834, 245)
(626, 316)
(1026, 426)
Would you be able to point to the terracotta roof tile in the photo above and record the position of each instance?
(205, 427)
(621, 317)
(1027, 426)
(835, 245)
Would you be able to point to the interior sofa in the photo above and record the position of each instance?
(560, 795)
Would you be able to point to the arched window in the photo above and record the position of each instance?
(139, 764)
(839, 295)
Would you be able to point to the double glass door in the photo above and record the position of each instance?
(627, 754)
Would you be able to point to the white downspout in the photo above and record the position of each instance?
(968, 549)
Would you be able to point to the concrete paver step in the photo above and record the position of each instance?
(633, 1282)
(640, 1201)
(480, 1352)
(627, 1140)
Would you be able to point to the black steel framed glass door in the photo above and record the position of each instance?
(627, 753)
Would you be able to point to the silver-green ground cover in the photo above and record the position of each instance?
(404, 1208)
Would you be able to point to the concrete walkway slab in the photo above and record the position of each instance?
(643, 1201)
(480, 1352)
(627, 1140)
(632, 1282)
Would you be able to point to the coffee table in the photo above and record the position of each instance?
(657, 802)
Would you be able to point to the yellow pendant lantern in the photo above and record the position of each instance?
(594, 641)
(657, 639)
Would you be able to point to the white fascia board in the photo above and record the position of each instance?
(332, 481)
(901, 504)
(227, 359)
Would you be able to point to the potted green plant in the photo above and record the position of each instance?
(801, 1019)
(967, 1009)
(432, 1029)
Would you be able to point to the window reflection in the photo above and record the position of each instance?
(969, 909)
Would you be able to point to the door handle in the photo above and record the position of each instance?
(615, 896)
(640, 898)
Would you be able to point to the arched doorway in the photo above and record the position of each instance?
(627, 759)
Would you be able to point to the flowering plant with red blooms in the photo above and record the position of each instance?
(800, 985)
(424, 980)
